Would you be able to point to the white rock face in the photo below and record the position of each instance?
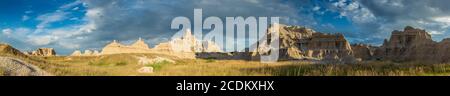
(76, 53)
(86, 53)
(183, 47)
(96, 53)
(44, 52)
(188, 43)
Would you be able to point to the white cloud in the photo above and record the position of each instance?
(25, 18)
(76, 8)
(69, 45)
(94, 13)
(16, 33)
(377, 18)
(432, 32)
(354, 11)
(28, 12)
(70, 5)
(443, 19)
(316, 8)
(39, 40)
(7, 32)
(58, 15)
(49, 18)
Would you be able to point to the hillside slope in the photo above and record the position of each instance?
(15, 63)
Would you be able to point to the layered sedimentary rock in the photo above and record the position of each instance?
(43, 52)
(443, 51)
(76, 53)
(140, 44)
(117, 48)
(413, 45)
(86, 53)
(188, 43)
(140, 47)
(300, 42)
(365, 52)
(183, 47)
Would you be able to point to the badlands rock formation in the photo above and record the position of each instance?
(86, 53)
(362, 51)
(188, 43)
(413, 45)
(116, 48)
(140, 47)
(76, 53)
(43, 52)
(183, 47)
(300, 42)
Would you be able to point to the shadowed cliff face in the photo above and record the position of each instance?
(413, 45)
(298, 42)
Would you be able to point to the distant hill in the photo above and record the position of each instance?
(8, 50)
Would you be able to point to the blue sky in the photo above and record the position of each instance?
(69, 25)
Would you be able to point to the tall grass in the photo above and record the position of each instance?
(373, 69)
(2, 72)
(105, 63)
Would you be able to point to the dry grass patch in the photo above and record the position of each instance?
(370, 69)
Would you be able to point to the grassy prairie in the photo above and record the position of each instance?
(367, 69)
(127, 65)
